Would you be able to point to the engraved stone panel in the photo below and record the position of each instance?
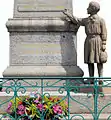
(41, 8)
(38, 48)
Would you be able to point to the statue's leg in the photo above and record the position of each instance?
(91, 71)
(100, 71)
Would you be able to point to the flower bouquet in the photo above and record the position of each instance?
(38, 108)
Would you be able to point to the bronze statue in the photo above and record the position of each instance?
(95, 42)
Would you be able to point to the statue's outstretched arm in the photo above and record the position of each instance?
(71, 17)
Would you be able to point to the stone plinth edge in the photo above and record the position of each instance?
(33, 71)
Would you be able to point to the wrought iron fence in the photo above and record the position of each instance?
(55, 98)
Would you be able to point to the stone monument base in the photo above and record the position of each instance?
(33, 71)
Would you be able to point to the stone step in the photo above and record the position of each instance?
(105, 90)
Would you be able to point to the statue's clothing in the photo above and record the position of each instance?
(96, 32)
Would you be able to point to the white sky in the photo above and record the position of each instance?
(79, 6)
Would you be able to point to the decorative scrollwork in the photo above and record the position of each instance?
(109, 117)
(7, 116)
(21, 89)
(77, 116)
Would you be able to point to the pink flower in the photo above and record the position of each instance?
(21, 107)
(36, 101)
(9, 107)
(57, 109)
(40, 107)
(21, 110)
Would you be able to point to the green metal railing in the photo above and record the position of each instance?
(54, 98)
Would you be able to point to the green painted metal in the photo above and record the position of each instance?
(66, 87)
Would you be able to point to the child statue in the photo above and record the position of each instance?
(95, 41)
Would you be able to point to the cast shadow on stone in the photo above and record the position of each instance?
(68, 44)
(68, 52)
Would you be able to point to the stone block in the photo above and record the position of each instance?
(41, 8)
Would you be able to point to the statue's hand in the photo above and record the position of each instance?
(65, 11)
(103, 47)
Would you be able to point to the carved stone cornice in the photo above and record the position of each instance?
(30, 25)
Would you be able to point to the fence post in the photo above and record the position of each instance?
(1, 84)
(95, 99)
(68, 95)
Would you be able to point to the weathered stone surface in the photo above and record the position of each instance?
(41, 8)
(38, 48)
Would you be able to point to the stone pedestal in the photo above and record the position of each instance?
(42, 41)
